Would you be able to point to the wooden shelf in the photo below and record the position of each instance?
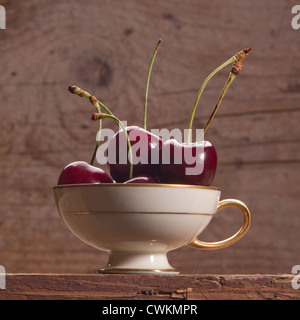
(148, 287)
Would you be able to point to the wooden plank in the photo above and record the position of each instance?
(149, 287)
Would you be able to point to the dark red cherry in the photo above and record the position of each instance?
(82, 172)
(193, 164)
(142, 180)
(145, 148)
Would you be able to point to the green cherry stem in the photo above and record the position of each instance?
(95, 149)
(98, 105)
(239, 56)
(85, 94)
(237, 67)
(100, 116)
(147, 83)
(227, 85)
(225, 64)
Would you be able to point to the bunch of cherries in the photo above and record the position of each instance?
(148, 170)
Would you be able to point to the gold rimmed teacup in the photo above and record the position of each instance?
(138, 224)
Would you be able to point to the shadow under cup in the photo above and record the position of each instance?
(138, 224)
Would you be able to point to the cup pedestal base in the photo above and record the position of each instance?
(153, 263)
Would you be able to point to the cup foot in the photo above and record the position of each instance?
(136, 262)
(127, 270)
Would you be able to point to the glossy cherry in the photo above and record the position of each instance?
(145, 148)
(193, 164)
(81, 172)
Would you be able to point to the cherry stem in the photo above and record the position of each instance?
(98, 139)
(147, 83)
(237, 67)
(228, 83)
(100, 116)
(85, 94)
(240, 56)
(98, 105)
(95, 151)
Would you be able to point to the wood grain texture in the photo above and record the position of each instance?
(148, 287)
(105, 47)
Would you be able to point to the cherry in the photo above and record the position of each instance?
(145, 179)
(193, 164)
(145, 148)
(136, 153)
(202, 153)
(143, 162)
(81, 172)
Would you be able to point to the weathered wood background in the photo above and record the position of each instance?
(105, 47)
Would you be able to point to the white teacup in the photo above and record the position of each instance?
(138, 224)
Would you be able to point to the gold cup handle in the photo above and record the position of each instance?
(231, 240)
